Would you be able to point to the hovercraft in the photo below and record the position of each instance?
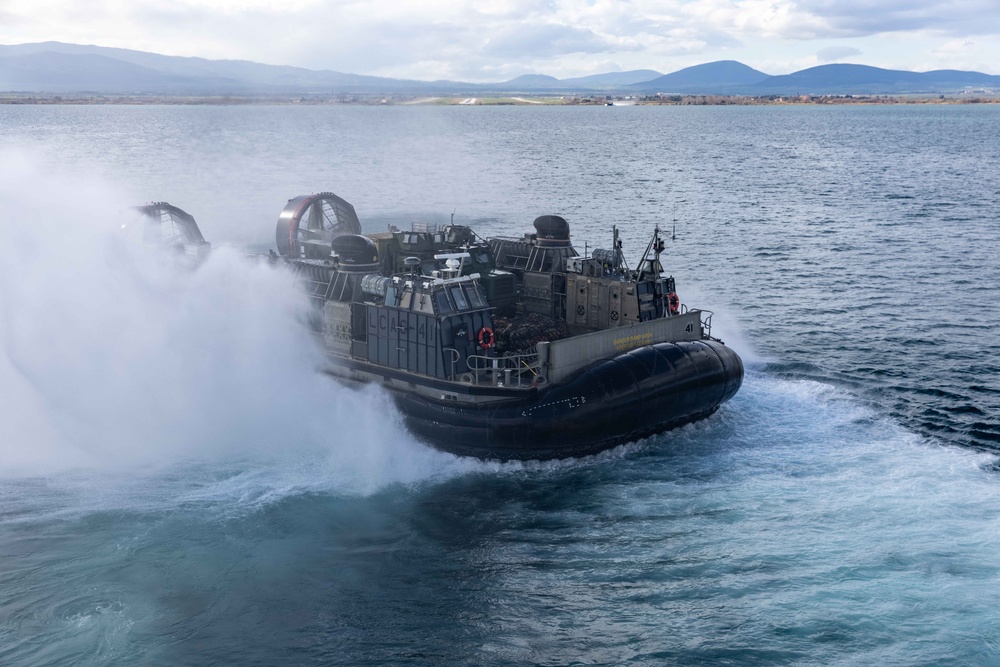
(506, 348)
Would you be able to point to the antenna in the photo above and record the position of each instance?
(616, 246)
(656, 246)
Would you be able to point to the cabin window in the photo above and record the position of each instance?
(424, 304)
(456, 294)
(474, 298)
(407, 298)
(441, 303)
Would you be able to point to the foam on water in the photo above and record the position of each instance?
(797, 522)
(796, 526)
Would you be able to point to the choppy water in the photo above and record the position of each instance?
(178, 487)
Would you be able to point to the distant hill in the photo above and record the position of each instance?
(594, 82)
(612, 79)
(531, 82)
(63, 73)
(862, 79)
(710, 78)
(57, 68)
(61, 68)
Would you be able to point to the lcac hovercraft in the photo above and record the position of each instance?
(506, 348)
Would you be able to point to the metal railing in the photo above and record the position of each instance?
(516, 370)
(453, 357)
(706, 323)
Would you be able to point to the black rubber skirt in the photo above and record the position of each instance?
(636, 394)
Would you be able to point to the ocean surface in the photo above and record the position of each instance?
(179, 486)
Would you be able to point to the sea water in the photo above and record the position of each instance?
(179, 486)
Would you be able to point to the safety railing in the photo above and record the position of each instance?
(706, 323)
(516, 370)
(453, 357)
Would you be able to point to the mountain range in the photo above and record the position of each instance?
(57, 68)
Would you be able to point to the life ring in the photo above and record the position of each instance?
(674, 303)
(486, 338)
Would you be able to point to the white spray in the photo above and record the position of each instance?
(110, 356)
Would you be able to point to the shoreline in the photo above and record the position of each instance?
(513, 100)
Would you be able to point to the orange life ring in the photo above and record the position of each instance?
(674, 303)
(486, 338)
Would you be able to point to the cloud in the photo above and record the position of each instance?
(834, 53)
(491, 39)
(870, 17)
(529, 41)
(956, 47)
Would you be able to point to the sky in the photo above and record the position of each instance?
(495, 40)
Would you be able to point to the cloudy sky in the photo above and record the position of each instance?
(491, 40)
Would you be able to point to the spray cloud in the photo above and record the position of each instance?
(112, 356)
